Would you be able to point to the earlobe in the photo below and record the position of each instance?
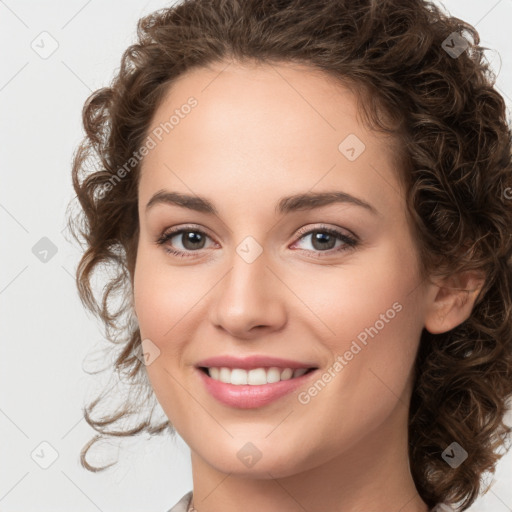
(452, 300)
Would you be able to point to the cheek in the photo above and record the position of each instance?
(374, 326)
(158, 297)
(161, 298)
(165, 298)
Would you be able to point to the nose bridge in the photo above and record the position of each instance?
(249, 274)
(249, 295)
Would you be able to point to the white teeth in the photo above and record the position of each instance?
(238, 376)
(224, 375)
(254, 377)
(286, 374)
(257, 376)
(273, 375)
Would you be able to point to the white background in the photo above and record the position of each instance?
(46, 334)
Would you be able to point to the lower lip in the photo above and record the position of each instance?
(246, 396)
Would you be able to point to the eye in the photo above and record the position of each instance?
(324, 238)
(191, 239)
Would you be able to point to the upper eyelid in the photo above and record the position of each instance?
(339, 230)
(187, 227)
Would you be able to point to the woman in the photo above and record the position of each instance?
(307, 206)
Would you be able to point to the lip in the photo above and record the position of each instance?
(255, 361)
(246, 396)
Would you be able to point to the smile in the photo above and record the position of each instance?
(252, 388)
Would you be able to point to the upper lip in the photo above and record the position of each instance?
(255, 361)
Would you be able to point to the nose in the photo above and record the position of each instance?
(249, 300)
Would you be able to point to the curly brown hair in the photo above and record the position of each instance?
(421, 75)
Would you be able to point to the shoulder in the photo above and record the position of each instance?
(182, 505)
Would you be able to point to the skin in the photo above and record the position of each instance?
(257, 134)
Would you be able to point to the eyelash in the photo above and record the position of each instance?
(349, 242)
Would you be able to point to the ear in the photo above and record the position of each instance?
(451, 300)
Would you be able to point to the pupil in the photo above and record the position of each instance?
(324, 240)
(191, 237)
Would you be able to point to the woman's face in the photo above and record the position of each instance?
(262, 273)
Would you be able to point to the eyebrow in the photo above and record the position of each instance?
(304, 201)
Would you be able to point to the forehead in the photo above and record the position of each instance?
(265, 128)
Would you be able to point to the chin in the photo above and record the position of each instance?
(254, 460)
